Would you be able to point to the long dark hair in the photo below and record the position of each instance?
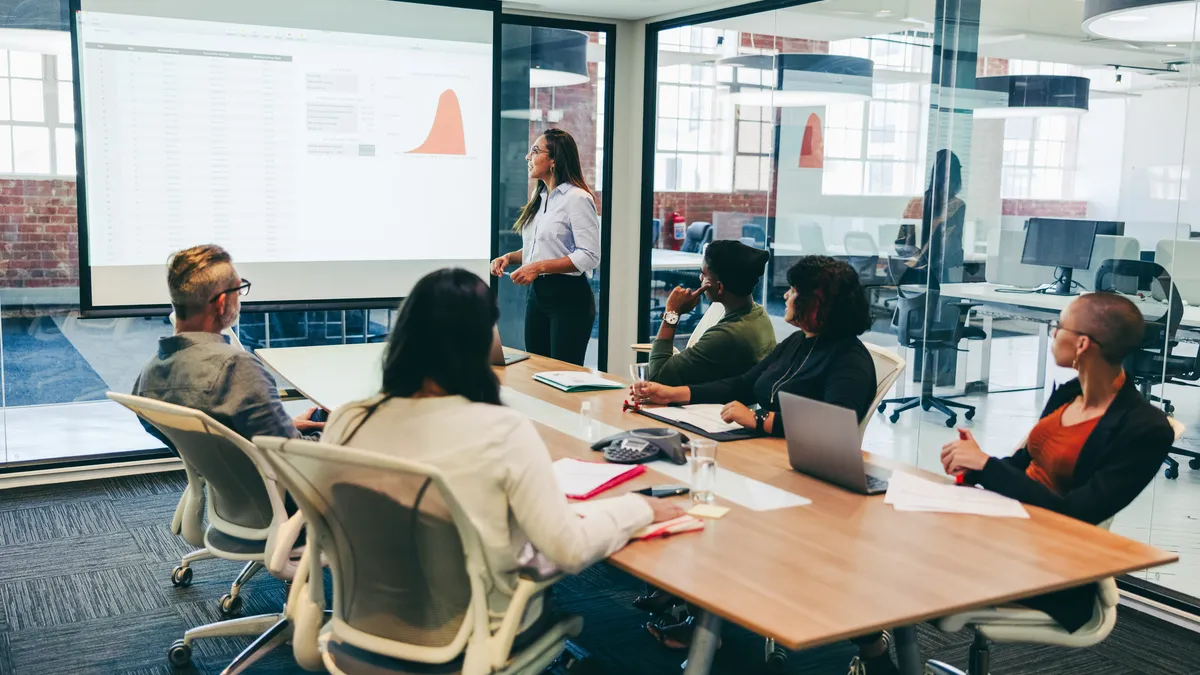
(564, 154)
(444, 334)
(829, 300)
(945, 182)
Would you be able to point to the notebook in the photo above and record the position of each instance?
(572, 381)
(584, 480)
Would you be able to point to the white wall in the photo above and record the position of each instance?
(1161, 132)
(1100, 157)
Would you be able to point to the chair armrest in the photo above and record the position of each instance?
(529, 584)
(641, 347)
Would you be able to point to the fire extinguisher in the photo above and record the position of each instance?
(674, 231)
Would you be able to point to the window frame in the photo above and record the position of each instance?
(51, 119)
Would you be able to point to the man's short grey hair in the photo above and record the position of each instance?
(195, 275)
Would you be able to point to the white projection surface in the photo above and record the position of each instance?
(338, 149)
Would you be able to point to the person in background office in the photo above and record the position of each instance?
(198, 368)
(742, 338)
(560, 232)
(440, 405)
(824, 360)
(943, 216)
(1098, 444)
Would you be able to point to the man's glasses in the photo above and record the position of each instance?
(1056, 326)
(241, 289)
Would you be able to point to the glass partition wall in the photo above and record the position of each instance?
(962, 158)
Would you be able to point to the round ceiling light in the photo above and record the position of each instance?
(805, 80)
(1035, 95)
(1142, 20)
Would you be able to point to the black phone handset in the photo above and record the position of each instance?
(644, 445)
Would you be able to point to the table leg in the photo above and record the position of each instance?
(985, 355)
(705, 639)
(908, 652)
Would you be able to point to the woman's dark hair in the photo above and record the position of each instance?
(945, 182)
(564, 153)
(444, 334)
(829, 300)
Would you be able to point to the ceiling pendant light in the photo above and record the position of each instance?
(1034, 95)
(803, 80)
(1142, 20)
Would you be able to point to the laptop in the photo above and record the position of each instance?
(503, 356)
(823, 442)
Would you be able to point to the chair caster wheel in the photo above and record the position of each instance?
(882, 407)
(1171, 473)
(180, 654)
(1194, 464)
(970, 414)
(777, 662)
(1169, 409)
(925, 406)
(894, 417)
(952, 421)
(229, 605)
(181, 576)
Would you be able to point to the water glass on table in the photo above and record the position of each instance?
(702, 461)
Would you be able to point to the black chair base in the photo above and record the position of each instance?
(945, 406)
(1172, 470)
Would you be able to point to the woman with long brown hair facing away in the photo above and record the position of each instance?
(560, 232)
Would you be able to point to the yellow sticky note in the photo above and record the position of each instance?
(708, 511)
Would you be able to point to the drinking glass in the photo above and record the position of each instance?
(702, 461)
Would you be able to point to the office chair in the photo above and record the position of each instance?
(863, 255)
(1156, 357)
(712, 315)
(247, 521)
(412, 591)
(755, 232)
(916, 330)
(655, 232)
(696, 236)
(1014, 623)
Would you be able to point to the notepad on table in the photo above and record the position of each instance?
(572, 381)
(907, 492)
(584, 480)
(703, 416)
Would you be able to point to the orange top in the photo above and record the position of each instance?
(1054, 448)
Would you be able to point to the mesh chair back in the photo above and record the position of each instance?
(389, 530)
(237, 493)
(695, 237)
(1113, 275)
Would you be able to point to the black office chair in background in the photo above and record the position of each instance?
(1156, 361)
(940, 333)
(697, 235)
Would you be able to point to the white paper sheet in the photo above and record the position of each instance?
(573, 378)
(705, 416)
(577, 478)
(907, 492)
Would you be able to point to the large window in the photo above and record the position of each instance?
(877, 147)
(1039, 152)
(37, 136)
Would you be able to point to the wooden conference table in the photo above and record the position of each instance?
(844, 565)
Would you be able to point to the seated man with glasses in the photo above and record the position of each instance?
(198, 368)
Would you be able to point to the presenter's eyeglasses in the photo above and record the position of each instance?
(241, 289)
(535, 150)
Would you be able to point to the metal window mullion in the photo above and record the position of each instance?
(50, 106)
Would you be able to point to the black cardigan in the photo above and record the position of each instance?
(839, 371)
(1118, 460)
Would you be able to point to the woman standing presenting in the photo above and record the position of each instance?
(560, 232)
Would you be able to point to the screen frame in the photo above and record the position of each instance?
(1026, 254)
(87, 308)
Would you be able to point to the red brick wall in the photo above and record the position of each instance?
(1047, 208)
(700, 206)
(38, 242)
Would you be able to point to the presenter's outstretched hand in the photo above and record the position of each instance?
(527, 273)
(498, 265)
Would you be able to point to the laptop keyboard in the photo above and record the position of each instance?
(876, 484)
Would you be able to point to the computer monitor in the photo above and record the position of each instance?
(1064, 244)
(1112, 228)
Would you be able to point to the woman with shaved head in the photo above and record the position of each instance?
(1097, 446)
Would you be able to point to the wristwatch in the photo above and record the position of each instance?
(760, 418)
(671, 317)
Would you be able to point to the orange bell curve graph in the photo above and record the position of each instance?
(446, 137)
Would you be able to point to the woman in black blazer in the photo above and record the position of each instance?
(1097, 445)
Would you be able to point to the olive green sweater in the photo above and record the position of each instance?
(734, 345)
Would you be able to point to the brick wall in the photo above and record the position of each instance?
(1047, 208)
(700, 206)
(39, 244)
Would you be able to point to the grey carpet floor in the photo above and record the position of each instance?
(85, 589)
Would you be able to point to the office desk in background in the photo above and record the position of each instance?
(662, 259)
(840, 251)
(1039, 308)
(843, 566)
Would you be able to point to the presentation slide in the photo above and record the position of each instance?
(339, 151)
